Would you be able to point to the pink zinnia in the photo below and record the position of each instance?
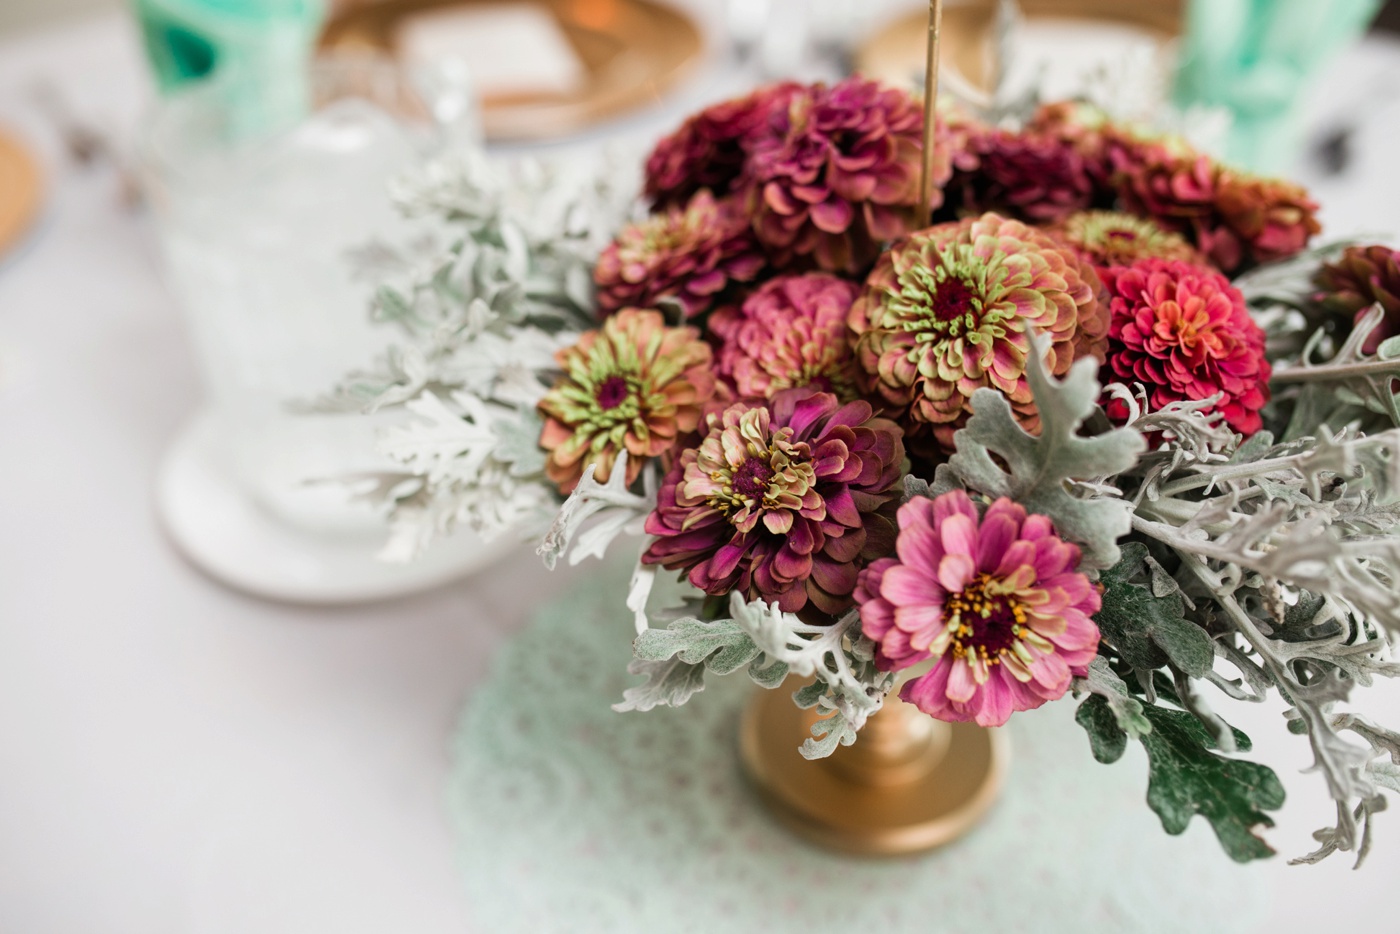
(997, 604)
(791, 332)
(1183, 332)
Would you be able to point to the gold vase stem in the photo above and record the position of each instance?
(909, 782)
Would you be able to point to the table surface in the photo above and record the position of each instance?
(175, 757)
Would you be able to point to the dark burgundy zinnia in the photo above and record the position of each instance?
(1361, 277)
(781, 501)
(1032, 174)
(710, 148)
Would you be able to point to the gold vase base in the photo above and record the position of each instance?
(908, 784)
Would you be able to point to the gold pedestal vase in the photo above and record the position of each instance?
(909, 783)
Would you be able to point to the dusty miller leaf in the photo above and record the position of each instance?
(1185, 778)
(1148, 631)
(1040, 472)
(1103, 682)
(1107, 740)
(669, 683)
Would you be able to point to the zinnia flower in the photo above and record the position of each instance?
(1235, 219)
(1183, 332)
(686, 254)
(634, 384)
(1261, 220)
(997, 604)
(951, 309)
(1112, 238)
(710, 148)
(791, 332)
(1039, 176)
(838, 172)
(781, 501)
(1363, 276)
(1164, 181)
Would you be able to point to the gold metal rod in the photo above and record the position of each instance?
(935, 29)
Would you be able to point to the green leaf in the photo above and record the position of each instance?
(720, 645)
(676, 658)
(769, 676)
(998, 457)
(1185, 778)
(1147, 630)
(1103, 682)
(1106, 738)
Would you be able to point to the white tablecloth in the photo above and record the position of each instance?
(175, 757)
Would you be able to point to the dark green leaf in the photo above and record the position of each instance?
(1185, 778)
(1147, 630)
(1106, 739)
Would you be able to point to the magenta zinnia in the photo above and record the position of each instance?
(633, 385)
(689, 255)
(1361, 277)
(709, 150)
(781, 502)
(951, 309)
(995, 602)
(838, 172)
(1183, 332)
(791, 332)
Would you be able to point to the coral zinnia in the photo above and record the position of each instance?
(1183, 332)
(1261, 220)
(996, 603)
(838, 172)
(791, 332)
(781, 501)
(634, 384)
(1361, 277)
(686, 254)
(710, 148)
(951, 309)
(1235, 219)
(1112, 238)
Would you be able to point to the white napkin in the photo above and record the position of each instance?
(508, 48)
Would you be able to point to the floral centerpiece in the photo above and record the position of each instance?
(1102, 425)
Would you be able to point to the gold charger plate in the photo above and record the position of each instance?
(895, 53)
(632, 52)
(20, 190)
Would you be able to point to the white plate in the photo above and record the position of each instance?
(215, 524)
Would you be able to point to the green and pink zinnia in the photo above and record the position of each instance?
(994, 601)
(783, 501)
(951, 309)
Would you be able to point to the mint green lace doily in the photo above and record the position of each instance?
(571, 817)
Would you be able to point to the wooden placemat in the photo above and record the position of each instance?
(21, 190)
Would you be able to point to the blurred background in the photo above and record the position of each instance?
(176, 755)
